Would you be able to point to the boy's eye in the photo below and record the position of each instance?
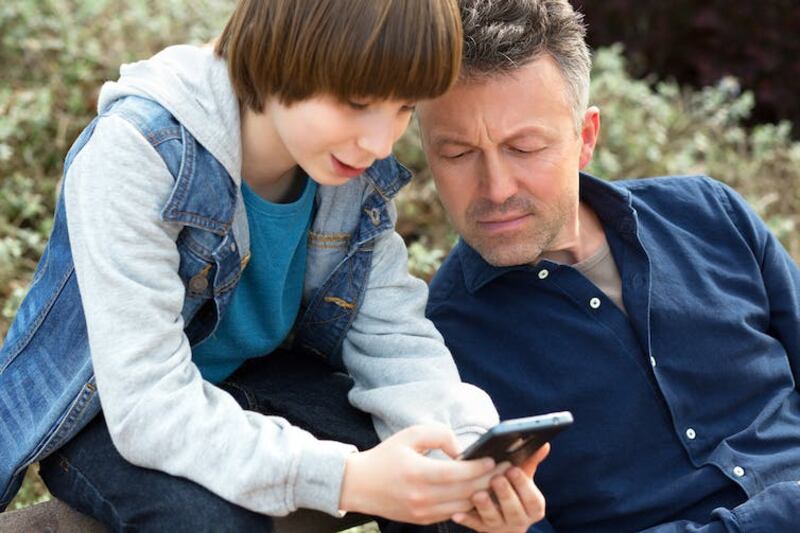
(357, 105)
(409, 108)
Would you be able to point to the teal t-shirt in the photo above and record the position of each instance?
(267, 299)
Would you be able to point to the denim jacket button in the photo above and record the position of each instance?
(198, 283)
(374, 215)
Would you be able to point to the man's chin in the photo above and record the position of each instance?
(505, 255)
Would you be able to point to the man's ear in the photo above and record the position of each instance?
(589, 134)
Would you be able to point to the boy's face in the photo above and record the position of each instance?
(335, 141)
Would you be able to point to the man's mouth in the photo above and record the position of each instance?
(504, 223)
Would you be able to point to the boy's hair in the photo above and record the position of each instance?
(295, 49)
(503, 35)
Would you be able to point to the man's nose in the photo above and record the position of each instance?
(499, 183)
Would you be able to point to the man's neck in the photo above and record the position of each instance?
(579, 241)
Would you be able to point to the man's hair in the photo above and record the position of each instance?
(503, 35)
(296, 49)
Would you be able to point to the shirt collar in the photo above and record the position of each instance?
(611, 202)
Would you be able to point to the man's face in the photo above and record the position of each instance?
(505, 157)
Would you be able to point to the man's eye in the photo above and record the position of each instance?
(455, 156)
(526, 151)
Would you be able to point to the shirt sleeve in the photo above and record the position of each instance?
(402, 370)
(779, 271)
(160, 412)
(774, 509)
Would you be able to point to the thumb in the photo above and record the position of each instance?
(431, 437)
(530, 465)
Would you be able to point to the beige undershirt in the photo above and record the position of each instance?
(601, 269)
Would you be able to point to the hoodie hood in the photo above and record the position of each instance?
(193, 84)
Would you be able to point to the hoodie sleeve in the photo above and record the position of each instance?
(403, 372)
(160, 412)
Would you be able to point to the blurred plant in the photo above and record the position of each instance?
(55, 56)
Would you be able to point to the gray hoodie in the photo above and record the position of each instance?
(160, 413)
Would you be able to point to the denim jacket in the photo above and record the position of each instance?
(48, 390)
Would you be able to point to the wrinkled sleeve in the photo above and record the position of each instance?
(774, 509)
(403, 372)
(160, 412)
(780, 274)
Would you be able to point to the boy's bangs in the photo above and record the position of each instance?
(414, 53)
(383, 49)
(399, 49)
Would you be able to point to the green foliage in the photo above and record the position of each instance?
(656, 129)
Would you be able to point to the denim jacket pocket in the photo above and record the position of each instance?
(326, 251)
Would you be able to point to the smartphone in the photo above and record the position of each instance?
(517, 439)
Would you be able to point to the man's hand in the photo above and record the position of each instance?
(517, 502)
(395, 480)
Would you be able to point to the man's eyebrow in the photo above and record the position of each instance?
(527, 131)
(441, 140)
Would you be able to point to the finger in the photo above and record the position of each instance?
(512, 508)
(469, 474)
(445, 511)
(431, 437)
(488, 512)
(529, 494)
(470, 520)
(532, 463)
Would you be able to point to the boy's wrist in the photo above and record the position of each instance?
(348, 500)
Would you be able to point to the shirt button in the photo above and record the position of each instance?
(233, 247)
(594, 303)
(738, 471)
(690, 434)
(543, 273)
(652, 361)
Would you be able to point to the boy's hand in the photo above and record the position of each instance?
(517, 503)
(395, 480)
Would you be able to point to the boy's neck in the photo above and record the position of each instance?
(267, 166)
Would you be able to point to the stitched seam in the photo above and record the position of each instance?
(331, 246)
(34, 328)
(92, 486)
(339, 301)
(328, 237)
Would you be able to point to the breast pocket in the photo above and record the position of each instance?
(197, 269)
(325, 252)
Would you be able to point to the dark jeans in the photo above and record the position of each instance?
(89, 474)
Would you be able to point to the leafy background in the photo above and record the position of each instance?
(55, 54)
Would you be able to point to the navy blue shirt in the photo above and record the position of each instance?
(687, 412)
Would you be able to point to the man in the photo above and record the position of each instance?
(661, 312)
